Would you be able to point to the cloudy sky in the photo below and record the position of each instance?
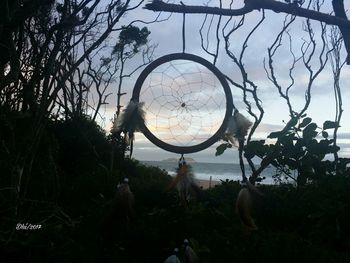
(168, 36)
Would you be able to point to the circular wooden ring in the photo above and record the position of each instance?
(229, 103)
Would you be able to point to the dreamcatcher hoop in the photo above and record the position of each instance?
(206, 64)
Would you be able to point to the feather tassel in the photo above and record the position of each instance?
(129, 120)
(253, 190)
(124, 199)
(122, 207)
(174, 257)
(237, 128)
(185, 184)
(244, 209)
(190, 255)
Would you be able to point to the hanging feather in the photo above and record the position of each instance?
(129, 120)
(237, 128)
(253, 190)
(190, 255)
(244, 208)
(124, 201)
(185, 183)
(121, 209)
(174, 257)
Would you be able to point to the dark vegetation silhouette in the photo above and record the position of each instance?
(295, 223)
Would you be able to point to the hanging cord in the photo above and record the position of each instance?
(241, 162)
(183, 30)
(182, 161)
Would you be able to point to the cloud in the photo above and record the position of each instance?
(168, 35)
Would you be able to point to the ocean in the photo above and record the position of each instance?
(217, 171)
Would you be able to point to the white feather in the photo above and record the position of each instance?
(244, 208)
(237, 127)
(185, 183)
(253, 190)
(129, 120)
(191, 255)
(172, 259)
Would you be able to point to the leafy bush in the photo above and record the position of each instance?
(301, 147)
(308, 222)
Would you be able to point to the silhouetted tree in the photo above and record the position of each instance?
(50, 68)
(225, 24)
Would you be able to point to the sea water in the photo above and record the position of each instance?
(217, 171)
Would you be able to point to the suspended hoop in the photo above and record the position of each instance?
(187, 101)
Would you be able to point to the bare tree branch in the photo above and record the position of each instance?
(158, 5)
(339, 19)
(337, 66)
(271, 72)
(251, 5)
(339, 11)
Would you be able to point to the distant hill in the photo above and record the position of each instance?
(175, 160)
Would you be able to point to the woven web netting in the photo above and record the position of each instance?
(185, 103)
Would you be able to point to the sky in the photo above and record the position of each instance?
(168, 37)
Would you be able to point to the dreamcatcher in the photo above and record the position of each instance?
(183, 104)
(187, 104)
(180, 102)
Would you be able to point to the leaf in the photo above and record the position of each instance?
(254, 148)
(330, 125)
(325, 134)
(305, 122)
(334, 148)
(310, 131)
(287, 140)
(292, 164)
(273, 135)
(221, 148)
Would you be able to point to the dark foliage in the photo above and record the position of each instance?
(302, 147)
(72, 189)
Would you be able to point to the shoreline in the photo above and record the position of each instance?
(206, 184)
